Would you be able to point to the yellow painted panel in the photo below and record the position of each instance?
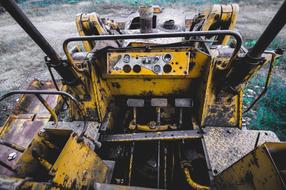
(78, 166)
(156, 87)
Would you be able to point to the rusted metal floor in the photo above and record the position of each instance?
(28, 117)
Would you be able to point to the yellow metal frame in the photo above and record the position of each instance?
(89, 24)
(225, 15)
(78, 166)
(260, 169)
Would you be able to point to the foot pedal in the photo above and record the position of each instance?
(184, 102)
(135, 103)
(159, 102)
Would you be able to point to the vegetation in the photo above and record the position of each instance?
(269, 113)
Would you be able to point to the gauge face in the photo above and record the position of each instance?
(157, 69)
(126, 58)
(167, 58)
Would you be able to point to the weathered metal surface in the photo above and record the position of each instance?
(91, 133)
(9, 183)
(76, 126)
(28, 118)
(102, 186)
(30, 103)
(78, 166)
(225, 146)
(152, 127)
(223, 109)
(19, 130)
(261, 169)
(152, 136)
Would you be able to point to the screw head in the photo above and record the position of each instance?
(42, 132)
(12, 156)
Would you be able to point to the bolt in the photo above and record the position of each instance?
(152, 125)
(12, 156)
(53, 172)
(42, 132)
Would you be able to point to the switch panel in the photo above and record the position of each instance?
(171, 62)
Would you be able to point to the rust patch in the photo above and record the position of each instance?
(21, 127)
(248, 179)
(147, 79)
(115, 85)
(19, 131)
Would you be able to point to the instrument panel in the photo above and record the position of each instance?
(155, 62)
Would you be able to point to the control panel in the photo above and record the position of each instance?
(171, 62)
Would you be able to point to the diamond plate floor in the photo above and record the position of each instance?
(225, 146)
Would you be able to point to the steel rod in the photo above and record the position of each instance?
(158, 164)
(48, 107)
(165, 166)
(131, 163)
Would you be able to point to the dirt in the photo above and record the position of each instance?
(21, 60)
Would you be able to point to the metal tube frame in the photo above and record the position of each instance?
(267, 82)
(234, 34)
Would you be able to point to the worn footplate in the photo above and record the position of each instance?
(30, 103)
(225, 146)
(28, 117)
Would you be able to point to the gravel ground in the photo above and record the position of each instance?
(21, 60)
